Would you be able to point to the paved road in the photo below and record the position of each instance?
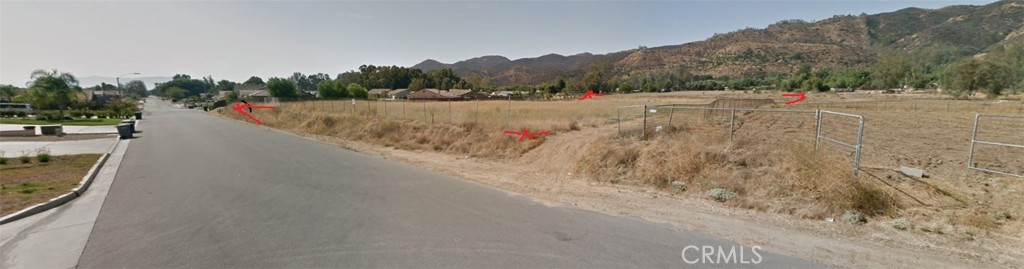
(200, 191)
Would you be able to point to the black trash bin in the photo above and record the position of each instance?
(129, 122)
(124, 130)
(138, 115)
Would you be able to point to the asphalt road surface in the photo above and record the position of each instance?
(200, 191)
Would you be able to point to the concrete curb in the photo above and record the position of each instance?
(60, 200)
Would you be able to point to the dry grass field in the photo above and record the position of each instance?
(770, 164)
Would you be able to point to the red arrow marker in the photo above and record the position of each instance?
(241, 109)
(590, 95)
(800, 97)
(526, 134)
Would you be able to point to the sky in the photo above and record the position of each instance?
(237, 39)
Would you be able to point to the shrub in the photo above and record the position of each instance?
(43, 155)
(901, 224)
(3, 160)
(854, 216)
(721, 194)
(25, 159)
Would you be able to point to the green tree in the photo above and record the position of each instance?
(254, 80)
(356, 90)
(417, 84)
(175, 93)
(59, 88)
(331, 89)
(135, 88)
(280, 87)
(224, 85)
(972, 75)
(890, 71)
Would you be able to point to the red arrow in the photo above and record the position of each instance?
(241, 109)
(526, 134)
(801, 97)
(590, 95)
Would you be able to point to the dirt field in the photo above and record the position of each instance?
(954, 217)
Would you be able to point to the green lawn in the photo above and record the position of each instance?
(79, 122)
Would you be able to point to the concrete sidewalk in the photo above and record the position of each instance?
(68, 129)
(56, 238)
(18, 148)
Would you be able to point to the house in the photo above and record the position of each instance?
(255, 96)
(398, 94)
(102, 97)
(464, 94)
(435, 94)
(427, 94)
(507, 94)
(378, 93)
(221, 95)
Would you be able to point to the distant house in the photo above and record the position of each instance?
(221, 95)
(507, 94)
(464, 94)
(378, 93)
(427, 94)
(257, 96)
(102, 97)
(398, 94)
(435, 94)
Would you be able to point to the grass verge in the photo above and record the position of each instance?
(26, 184)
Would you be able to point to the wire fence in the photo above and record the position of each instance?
(824, 129)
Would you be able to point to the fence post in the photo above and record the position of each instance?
(643, 134)
(974, 136)
(508, 111)
(732, 122)
(403, 109)
(860, 145)
(671, 110)
(476, 118)
(618, 120)
(385, 108)
(450, 112)
(817, 132)
(424, 112)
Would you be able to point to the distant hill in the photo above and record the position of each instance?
(90, 81)
(840, 41)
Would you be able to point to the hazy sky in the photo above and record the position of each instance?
(236, 39)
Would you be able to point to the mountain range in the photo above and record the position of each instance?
(837, 42)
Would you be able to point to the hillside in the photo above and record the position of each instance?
(840, 41)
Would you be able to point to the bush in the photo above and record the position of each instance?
(721, 194)
(901, 224)
(25, 159)
(3, 160)
(854, 216)
(43, 155)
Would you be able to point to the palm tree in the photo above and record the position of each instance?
(58, 87)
